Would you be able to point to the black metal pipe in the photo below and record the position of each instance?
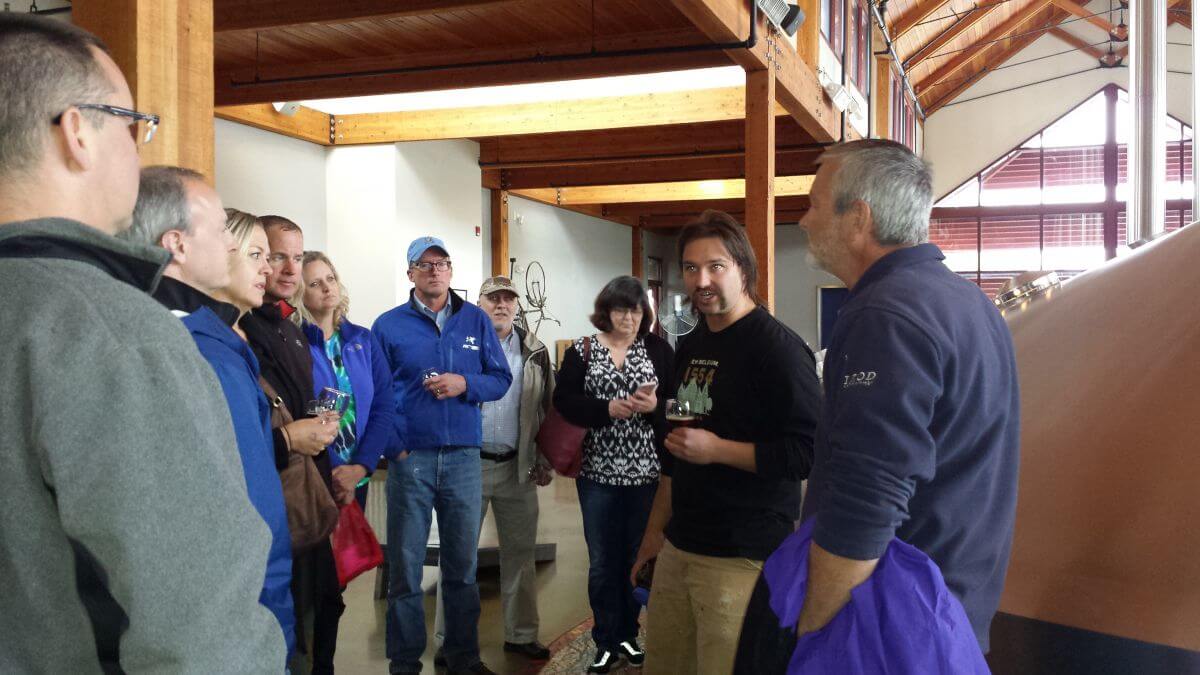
(748, 43)
(891, 50)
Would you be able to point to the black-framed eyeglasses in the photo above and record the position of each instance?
(141, 125)
(439, 265)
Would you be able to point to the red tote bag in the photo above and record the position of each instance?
(355, 548)
(561, 442)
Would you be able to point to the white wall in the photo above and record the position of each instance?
(265, 173)
(579, 254)
(796, 283)
(963, 138)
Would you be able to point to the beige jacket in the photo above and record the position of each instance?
(537, 392)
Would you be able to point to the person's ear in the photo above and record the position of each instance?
(172, 241)
(410, 275)
(78, 139)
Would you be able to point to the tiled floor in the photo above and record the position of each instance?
(562, 595)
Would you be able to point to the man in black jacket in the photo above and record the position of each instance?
(730, 489)
(286, 364)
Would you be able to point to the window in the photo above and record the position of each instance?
(1045, 205)
(859, 49)
(904, 116)
(832, 14)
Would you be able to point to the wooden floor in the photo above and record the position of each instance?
(562, 595)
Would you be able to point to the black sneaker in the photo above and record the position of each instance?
(604, 662)
(530, 650)
(629, 649)
(477, 669)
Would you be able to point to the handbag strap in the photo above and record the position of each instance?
(276, 401)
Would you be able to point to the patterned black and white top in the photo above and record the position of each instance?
(621, 453)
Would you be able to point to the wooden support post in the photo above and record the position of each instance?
(882, 105)
(760, 178)
(639, 257)
(499, 233)
(808, 38)
(165, 50)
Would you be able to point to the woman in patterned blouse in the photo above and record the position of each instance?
(598, 388)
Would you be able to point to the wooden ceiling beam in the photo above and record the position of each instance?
(732, 188)
(797, 87)
(668, 108)
(990, 42)
(307, 124)
(593, 210)
(648, 209)
(1100, 22)
(1073, 40)
(998, 59)
(622, 144)
(403, 73)
(676, 221)
(262, 14)
(645, 171)
(921, 12)
(947, 36)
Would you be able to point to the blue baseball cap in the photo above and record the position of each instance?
(421, 244)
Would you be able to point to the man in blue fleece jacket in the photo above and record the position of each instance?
(918, 436)
(446, 362)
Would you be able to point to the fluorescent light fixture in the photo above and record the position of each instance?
(288, 108)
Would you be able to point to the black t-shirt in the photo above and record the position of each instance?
(755, 382)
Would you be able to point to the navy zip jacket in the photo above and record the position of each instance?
(918, 436)
(371, 382)
(468, 347)
(237, 370)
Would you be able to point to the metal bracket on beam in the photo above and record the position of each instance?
(333, 122)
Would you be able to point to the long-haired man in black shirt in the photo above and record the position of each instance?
(730, 488)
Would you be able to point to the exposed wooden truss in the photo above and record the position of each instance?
(1076, 42)
(307, 124)
(677, 191)
(1118, 32)
(258, 14)
(921, 12)
(947, 36)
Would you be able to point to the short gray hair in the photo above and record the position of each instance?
(889, 178)
(161, 205)
(46, 66)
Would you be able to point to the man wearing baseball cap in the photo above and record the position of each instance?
(446, 361)
(512, 467)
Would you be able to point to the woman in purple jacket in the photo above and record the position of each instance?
(349, 358)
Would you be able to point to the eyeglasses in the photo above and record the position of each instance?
(141, 125)
(439, 265)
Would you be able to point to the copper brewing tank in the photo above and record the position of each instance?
(1107, 535)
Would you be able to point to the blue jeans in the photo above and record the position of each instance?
(446, 480)
(614, 520)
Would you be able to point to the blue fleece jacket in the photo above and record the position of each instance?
(467, 346)
(237, 370)
(919, 430)
(371, 384)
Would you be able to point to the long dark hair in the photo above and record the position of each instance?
(721, 225)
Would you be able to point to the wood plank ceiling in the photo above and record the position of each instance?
(276, 50)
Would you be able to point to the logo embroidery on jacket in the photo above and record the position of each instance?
(859, 379)
(470, 343)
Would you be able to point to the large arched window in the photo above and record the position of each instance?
(1057, 201)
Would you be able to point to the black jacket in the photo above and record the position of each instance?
(285, 363)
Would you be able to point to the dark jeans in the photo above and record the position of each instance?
(614, 519)
(315, 587)
(448, 481)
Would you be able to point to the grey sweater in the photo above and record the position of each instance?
(127, 540)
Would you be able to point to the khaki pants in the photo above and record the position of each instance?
(695, 614)
(515, 506)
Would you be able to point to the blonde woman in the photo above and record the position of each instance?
(348, 357)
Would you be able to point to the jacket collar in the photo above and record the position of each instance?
(204, 321)
(456, 302)
(889, 263)
(176, 295)
(316, 336)
(59, 238)
(530, 344)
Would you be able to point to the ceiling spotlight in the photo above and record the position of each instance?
(787, 17)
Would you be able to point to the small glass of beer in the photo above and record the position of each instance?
(679, 414)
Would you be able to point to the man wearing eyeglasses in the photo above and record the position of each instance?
(129, 541)
(446, 361)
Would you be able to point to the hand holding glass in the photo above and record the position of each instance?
(679, 413)
(330, 405)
